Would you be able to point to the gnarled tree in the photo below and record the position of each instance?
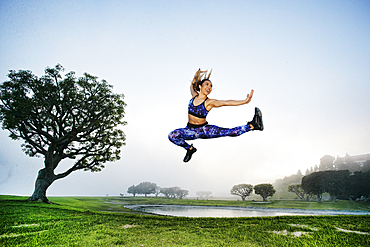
(181, 193)
(264, 190)
(299, 191)
(62, 118)
(242, 190)
(314, 184)
(146, 188)
(133, 190)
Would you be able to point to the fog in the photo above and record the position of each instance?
(308, 62)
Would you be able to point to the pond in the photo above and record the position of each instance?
(216, 211)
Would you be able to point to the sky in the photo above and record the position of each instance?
(307, 61)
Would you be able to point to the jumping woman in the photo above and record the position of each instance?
(198, 108)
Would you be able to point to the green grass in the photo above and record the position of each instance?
(76, 221)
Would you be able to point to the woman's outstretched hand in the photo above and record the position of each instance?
(249, 97)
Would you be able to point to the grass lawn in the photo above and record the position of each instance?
(77, 221)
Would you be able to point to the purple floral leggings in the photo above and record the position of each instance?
(179, 136)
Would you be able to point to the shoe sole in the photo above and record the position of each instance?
(259, 114)
(190, 156)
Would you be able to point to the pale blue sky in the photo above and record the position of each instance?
(308, 62)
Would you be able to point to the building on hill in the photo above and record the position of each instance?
(353, 163)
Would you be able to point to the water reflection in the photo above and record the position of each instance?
(213, 211)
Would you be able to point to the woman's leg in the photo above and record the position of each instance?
(213, 131)
(179, 136)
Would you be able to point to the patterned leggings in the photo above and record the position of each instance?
(179, 136)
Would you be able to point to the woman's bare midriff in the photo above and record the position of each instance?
(196, 120)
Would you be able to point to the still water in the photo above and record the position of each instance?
(213, 211)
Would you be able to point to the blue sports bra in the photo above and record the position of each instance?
(199, 111)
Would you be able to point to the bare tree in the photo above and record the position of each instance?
(242, 190)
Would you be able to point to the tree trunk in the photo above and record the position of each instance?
(319, 197)
(44, 179)
(333, 198)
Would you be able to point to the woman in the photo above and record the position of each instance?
(198, 108)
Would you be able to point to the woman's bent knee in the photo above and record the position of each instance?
(173, 135)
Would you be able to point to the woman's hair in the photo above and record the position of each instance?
(199, 78)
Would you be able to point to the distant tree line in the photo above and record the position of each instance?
(147, 188)
(202, 194)
(342, 178)
(174, 192)
(144, 188)
(244, 190)
(340, 184)
(292, 179)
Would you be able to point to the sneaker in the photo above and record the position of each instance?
(257, 120)
(189, 153)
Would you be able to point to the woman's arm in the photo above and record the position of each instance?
(218, 103)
